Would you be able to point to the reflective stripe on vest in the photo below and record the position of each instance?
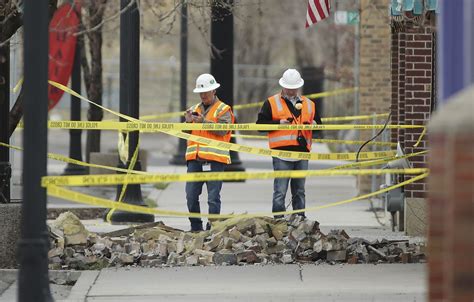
(283, 138)
(278, 102)
(222, 107)
(309, 105)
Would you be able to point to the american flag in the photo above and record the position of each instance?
(317, 11)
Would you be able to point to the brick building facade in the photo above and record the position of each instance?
(413, 98)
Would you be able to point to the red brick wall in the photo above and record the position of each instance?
(401, 88)
(418, 98)
(395, 63)
(412, 92)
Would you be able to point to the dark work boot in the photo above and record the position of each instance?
(196, 227)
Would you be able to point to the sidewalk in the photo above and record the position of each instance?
(262, 283)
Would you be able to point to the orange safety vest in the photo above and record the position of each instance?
(280, 111)
(204, 152)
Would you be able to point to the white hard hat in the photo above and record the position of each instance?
(291, 79)
(205, 82)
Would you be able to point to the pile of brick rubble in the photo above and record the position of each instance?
(229, 242)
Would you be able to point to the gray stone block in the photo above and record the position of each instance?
(10, 219)
(416, 219)
(111, 159)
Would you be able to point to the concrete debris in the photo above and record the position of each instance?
(263, 240)
(336, 255)
(225, 256)
(71, 227)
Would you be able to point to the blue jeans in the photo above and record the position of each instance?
(194, 190)
(280, 186)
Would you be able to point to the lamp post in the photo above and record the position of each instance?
(34, 243)
(179, 157)
(222, 60)
(5, 167)
(75, 145)
(129, 104)
(313, 83)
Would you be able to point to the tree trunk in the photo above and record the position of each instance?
(93, 73)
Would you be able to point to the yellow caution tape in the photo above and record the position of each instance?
(279, 153)
(131, 166)
(353, 118)
(224, 145)
(81, 163)
(122, 146)
(66, 159)
(321, 140)
(324, 119)
(331, 93)
(66, 194)
(18, 85)
(117, 179)
(158, 127)
(376, 161)
(72, 92)
(419, 138)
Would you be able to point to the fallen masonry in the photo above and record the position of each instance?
(230, 242)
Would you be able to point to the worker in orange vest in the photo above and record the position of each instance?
(202, 158)
(289, 107)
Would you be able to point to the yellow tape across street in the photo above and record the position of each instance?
(323, 140)
(66, 159)
(153, 127)
(66, 194)
(242, 148)
(376, 161)
(117, 179)
(280, 153)
(353, 118)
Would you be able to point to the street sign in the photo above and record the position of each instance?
(343, 17)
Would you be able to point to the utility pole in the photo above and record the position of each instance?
(34, 243)
(129, 105)
(5, 167)
(179, 157)
(75, 144)
(222, 60)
